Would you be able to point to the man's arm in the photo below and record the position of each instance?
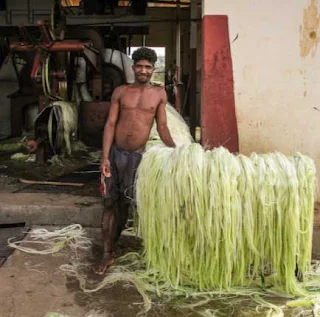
(161, 118)
(109, 130)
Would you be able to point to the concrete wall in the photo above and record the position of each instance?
(276, 65)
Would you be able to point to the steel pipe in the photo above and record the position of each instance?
(64, 46)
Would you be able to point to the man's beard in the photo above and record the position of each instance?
(143, 80)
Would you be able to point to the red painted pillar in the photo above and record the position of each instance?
(218, 118)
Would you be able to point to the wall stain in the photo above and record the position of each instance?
(309, 30)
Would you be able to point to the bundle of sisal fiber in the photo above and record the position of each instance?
(213, 220)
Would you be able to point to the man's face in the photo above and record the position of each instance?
(143, 71)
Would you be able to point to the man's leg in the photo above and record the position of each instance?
(122, 218)
(109, 227)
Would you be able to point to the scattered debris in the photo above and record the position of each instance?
(20, 156)
(28, 181)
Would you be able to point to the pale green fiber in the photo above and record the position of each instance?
(178, 129)
(213, 220)
(66, 127)
(48, 242)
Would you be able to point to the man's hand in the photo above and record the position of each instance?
(105, 168)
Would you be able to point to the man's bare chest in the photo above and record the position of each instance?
(140, 102)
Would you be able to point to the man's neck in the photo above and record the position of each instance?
(142, 85)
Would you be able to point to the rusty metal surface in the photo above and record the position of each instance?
(93, 116)
(97, 87)
(63, 46)
(36, 64)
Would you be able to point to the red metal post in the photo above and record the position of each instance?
(218, 117)
(36, 64)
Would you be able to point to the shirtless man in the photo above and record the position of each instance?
(132, 111)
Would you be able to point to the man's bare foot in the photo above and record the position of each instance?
(107, 261)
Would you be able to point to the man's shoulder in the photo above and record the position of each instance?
(158, 89)
(118, 92)
(121, 88)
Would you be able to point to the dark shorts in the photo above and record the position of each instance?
(124, 165)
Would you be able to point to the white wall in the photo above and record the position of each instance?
(276, 66)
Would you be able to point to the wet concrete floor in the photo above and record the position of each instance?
(33, 285)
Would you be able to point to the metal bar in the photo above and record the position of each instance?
(47, 39)
(36, 64)
(94, 67)
(193, 109)
(178, 59)
(178, 42)
(26, 35)
(118, 21)
(63, 46)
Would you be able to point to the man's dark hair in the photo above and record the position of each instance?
(144, 53)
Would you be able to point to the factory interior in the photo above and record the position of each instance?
(78, 52)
